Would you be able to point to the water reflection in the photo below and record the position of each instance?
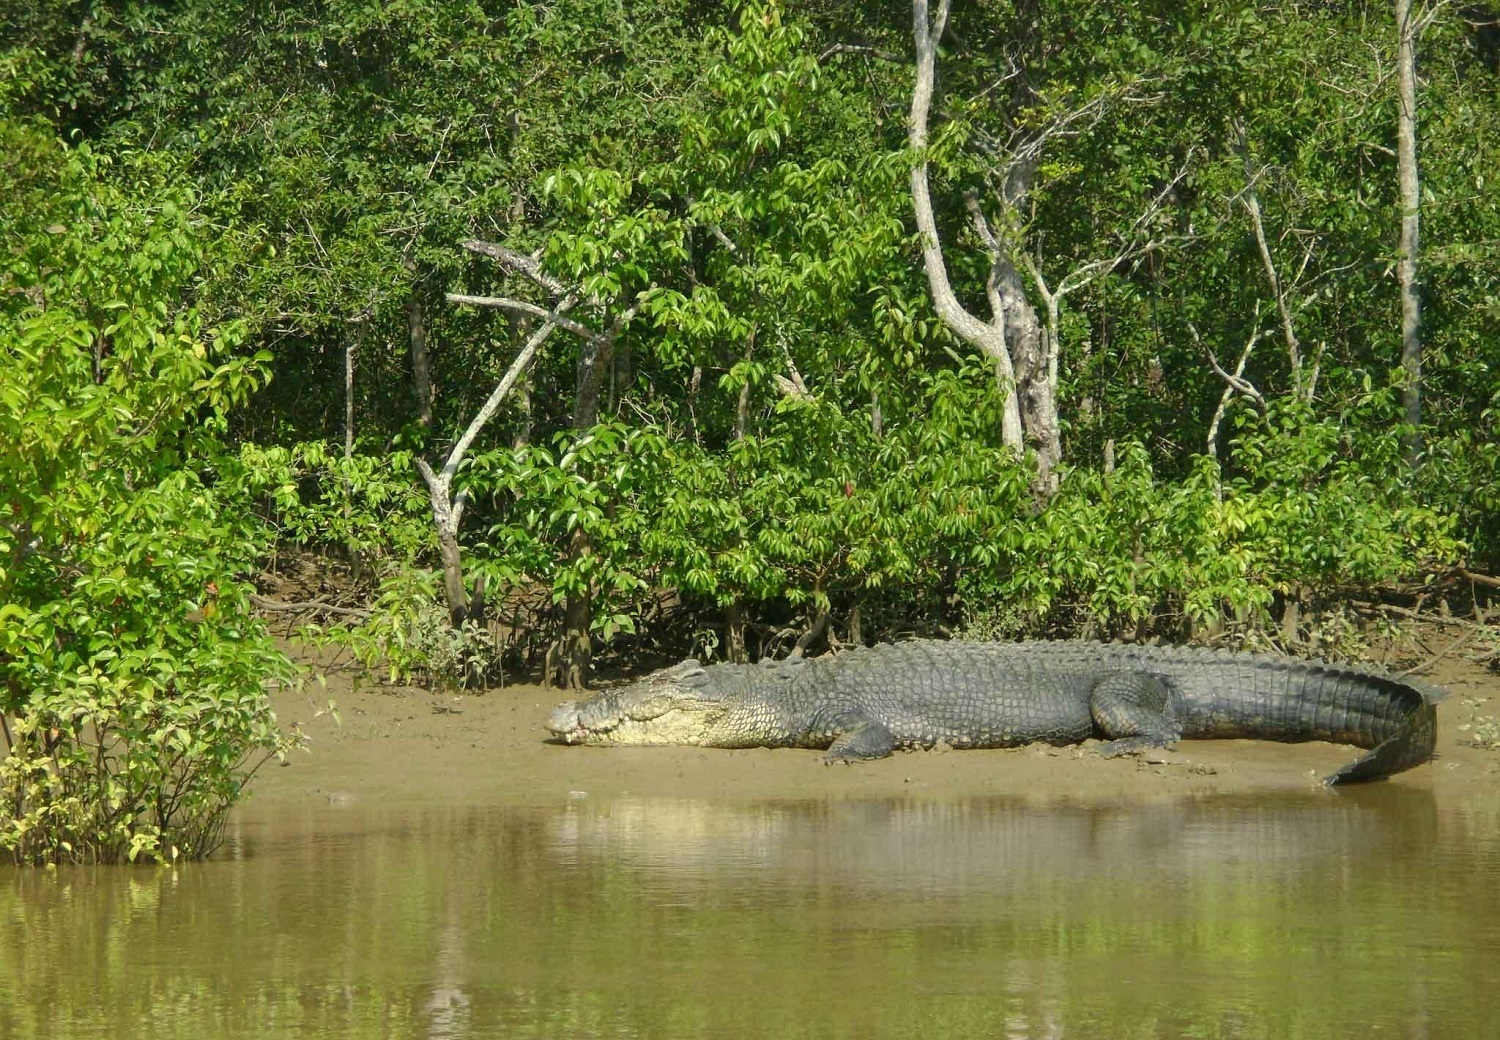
(1371, 914)
(937, 846)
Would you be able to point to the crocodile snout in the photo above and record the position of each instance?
(564, 723)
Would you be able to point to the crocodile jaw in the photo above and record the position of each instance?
(580, 722)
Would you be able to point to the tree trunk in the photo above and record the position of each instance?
(1029, 345)
(421, 371)
(1406, 163)
(453, 577)
(574, 650)
(988, 337)
(447, 512)
(522, 436)
(734, 633)
(447, 516)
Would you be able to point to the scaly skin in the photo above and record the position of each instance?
(868, 702)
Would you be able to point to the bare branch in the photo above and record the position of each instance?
(460, 502)
(981, 224)
(1233, 384)
(530, 266)
(501, 391)
(1026, 146)
(442, 143)
(313, 606)
(850, 48)
(724, 240)
(790, 388)
(522, 307)
(1252, 205)
(794, 386)
(982, 229)
(1426, 18)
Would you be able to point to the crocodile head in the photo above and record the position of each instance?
(677, 705)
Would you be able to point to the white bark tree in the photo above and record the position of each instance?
(1023, 345)
(1411, 198)
(986, 336)
(569, 659)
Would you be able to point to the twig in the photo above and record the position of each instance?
(850, 48)
(1463, 639)
(317, 605)
(1436, 619)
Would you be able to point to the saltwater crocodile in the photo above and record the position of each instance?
(869, 702)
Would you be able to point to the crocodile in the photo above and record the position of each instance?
(868, 702)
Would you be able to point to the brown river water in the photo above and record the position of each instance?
(1366, 915)
(581, 893)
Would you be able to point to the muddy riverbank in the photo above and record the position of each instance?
(403, 745)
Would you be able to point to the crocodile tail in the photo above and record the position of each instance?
(1411, 746)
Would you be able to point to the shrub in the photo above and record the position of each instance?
(132, 674)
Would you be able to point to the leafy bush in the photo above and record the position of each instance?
(409, 637)
(932, 519)
(132, 673)
(367, 506)
(1113, 553)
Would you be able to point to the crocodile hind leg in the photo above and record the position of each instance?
(862, 738)
(1133, 709)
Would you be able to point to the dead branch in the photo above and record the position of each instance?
(522, 307)
(530, 266)
(313, 606)
(1252, 205)
(850, 48)
(1436, 619)
(1457, 644)
(723, 239)
(1233, 384)
(501, 391)
(1026, 146)
(992, 245)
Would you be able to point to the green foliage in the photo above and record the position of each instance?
(936, 515)
(1124, 552)
(131, 668)
(786, 427)
(315, 497)
(409, 637)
